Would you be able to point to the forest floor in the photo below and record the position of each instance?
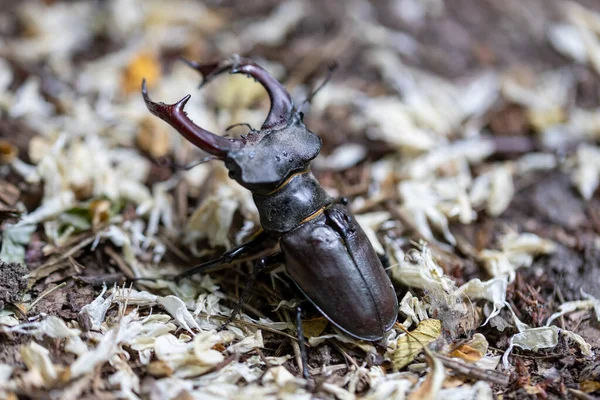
(464, 134)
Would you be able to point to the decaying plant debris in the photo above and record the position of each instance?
(465, 135)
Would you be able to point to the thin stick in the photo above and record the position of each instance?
(44, 294)
(475, 372)
(301, 342)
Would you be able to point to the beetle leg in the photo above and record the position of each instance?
(259, 266)
(254, 246)
(282, 106)
(174, 115)
(302, 343)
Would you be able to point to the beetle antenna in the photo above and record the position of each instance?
(240, 124)
(330, 70)
(166, 163)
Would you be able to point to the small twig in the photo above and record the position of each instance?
(44, 294)
(252, 324)
(248, 307)
(39, 272)
(120, 262)
(475, 372)
(220, 365)
(578, 394)
(174, 249)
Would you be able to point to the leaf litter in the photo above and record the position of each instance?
(97, 202)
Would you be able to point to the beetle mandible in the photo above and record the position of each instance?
(324, 249)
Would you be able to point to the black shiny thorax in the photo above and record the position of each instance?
(292, 203)
(271, 156)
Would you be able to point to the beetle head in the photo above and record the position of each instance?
(261, 160)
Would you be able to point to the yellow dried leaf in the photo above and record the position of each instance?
(144, 65)
(159, 369)
(589, 386)
(238, 92)
(314, 327)
(8, 152)
(473, 350)
(410, 345)
(153, 137)
(99, 211)
(543, 119)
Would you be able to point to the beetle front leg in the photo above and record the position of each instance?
(253, 247)
(259, 266)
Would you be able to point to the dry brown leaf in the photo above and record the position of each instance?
(473, 350)
(411, 344)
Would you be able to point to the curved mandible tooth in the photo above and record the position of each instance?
(282, 106)
(174, 115)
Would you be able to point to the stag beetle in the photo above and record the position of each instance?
(324, 249)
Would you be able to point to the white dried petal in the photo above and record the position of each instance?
(395, 125)
(247, 344)
(494, 188)
(568, 41)
(49, 209)
(5, 372)
(273, 29)
(516, 251)
(95, 312)
(493, 291)
(383, 389)
(178, 310)
(571, 306)
(51, 326)
(371, 222)
(8, 320)
(549, 91)
(586, 176)
(535, 162)
(76, 345)
(414, 310)
(28, 101)
(203, 351)
(343, 157)
(585, 347)
(420, 206)
(543, 338)
(472, 151)
(60, 29)
(42, 372)
(106, 349)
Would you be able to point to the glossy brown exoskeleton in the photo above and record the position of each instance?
(324, 249)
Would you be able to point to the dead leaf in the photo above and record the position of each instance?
(314, 327)
(589, 386)
(411, 344)
(473, 350)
